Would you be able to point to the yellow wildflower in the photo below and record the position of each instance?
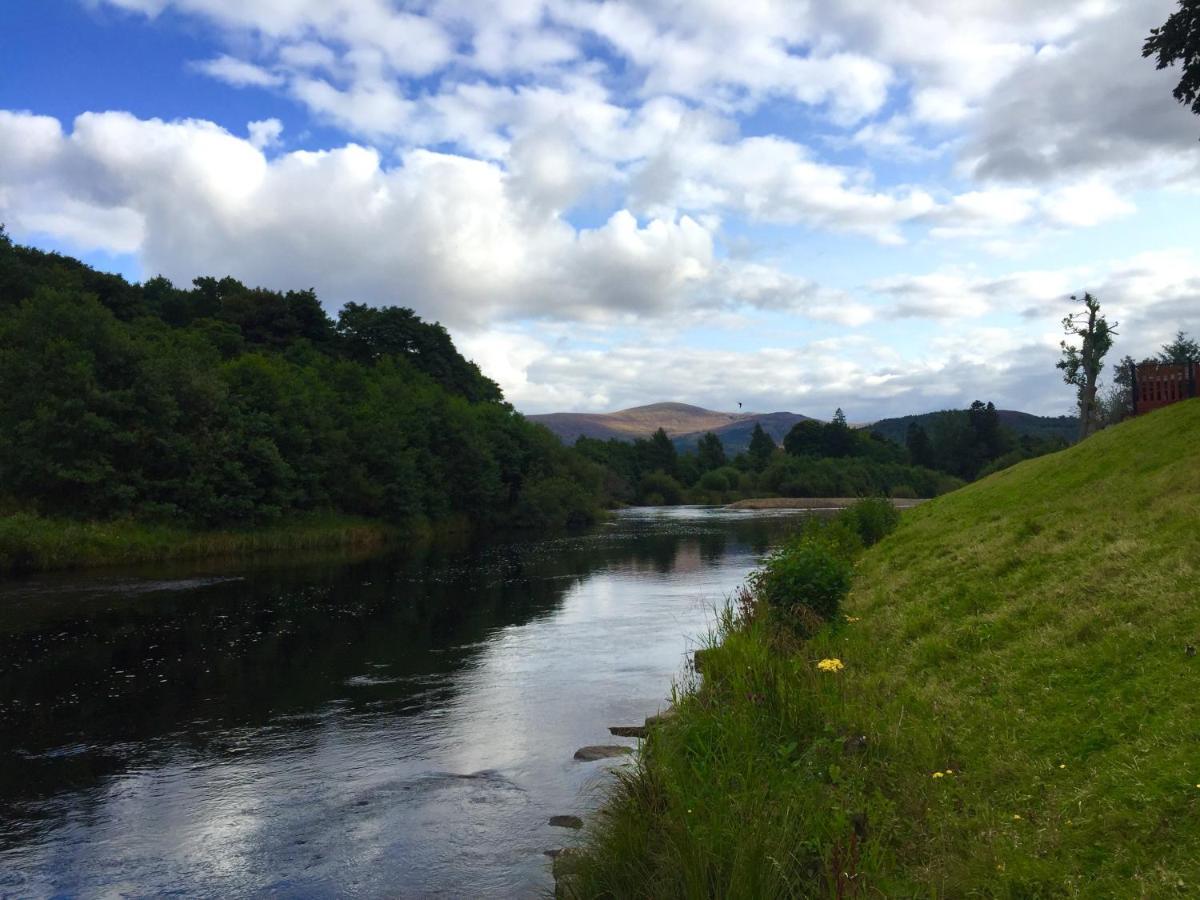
(938, 774)
(852, 618)
(830, 665)
(1062, 765)
(1016, 818)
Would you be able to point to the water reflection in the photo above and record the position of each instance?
(377, 726)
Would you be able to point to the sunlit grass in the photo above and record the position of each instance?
(1016, 716)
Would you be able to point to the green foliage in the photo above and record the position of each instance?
(762, 448)
(811, 571)
(1081, 365)
(227, 406)
(1178, 41)
(659, 489)
(1181, 350)
(710, 452)
(872, 518)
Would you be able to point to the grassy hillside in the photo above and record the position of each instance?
(1017, 716)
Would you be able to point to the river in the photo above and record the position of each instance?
(394, 726)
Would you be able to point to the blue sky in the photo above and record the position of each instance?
(610, 203)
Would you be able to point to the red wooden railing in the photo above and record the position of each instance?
(1161, 384)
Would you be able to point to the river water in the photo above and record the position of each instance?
(389, 727)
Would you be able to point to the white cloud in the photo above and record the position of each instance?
(238, 72)
(445, 234)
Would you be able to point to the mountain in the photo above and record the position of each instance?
(685, 424)
(1022, 423)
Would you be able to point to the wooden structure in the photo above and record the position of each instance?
(1161, 384)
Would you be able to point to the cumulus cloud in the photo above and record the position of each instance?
(445, 234)
(1089, 107)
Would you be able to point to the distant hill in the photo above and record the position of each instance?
(685, 424)
(1066, 427)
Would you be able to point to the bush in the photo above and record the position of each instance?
(873, 518)
(714, 481)
(811, 572)
(903, 492)
(659, 489)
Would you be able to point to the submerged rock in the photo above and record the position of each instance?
(566, 821)
(633, 731)
(601, 751)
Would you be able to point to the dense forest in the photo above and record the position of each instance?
(224, 405)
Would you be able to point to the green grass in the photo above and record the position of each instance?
(1027, 632)
(29, 542)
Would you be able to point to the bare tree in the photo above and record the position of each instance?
(1081, 365)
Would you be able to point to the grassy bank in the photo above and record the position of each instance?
(1017, 716)
(34, 543)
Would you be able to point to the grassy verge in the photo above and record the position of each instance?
(32, 543)
(1018, 714)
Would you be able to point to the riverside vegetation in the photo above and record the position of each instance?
(1002, 706)
(150, 421)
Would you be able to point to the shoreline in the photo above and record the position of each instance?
(812, 503)
(31, 543)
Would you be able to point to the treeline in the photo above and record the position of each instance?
(817, 460)
(226, 405)
(972, 443)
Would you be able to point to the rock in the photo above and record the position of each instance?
(601, 751)
(566, 821)
(634, 731)
(668, 713)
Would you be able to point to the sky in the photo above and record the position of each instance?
(883, 207)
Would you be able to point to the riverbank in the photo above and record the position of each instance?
(35, 543)
(810, 503)
(998, 711)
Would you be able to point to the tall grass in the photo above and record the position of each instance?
(30, 542)
(1016, 716)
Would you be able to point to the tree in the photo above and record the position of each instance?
(710, 452)
(1082, 365)
(659, 454)
(920, 448)
(1178, 41)
(1181, 350)
(762, 447)
(805, 438)
(839, 437)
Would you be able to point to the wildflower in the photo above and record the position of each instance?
(830, 665)
(851, 618)
(1016, 818)
(938, 774)
(949, 771)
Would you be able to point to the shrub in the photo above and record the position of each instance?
(714, 481)
(811, 571)
(873, 518)
(659, 489)
(903, 492)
